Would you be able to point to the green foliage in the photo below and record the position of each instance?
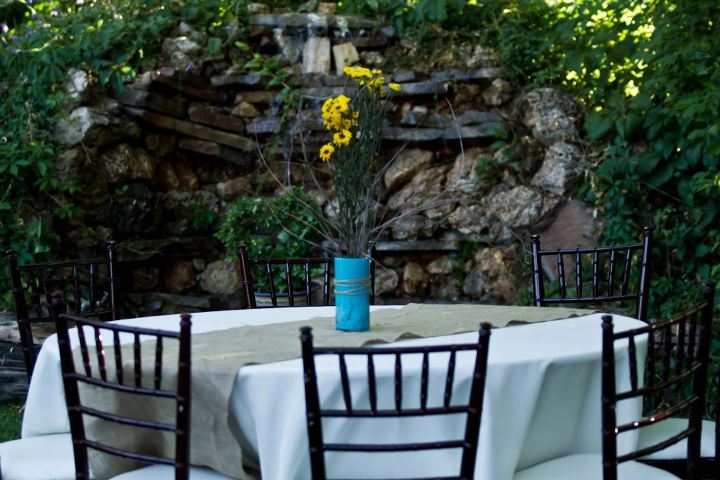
(111, 40)
(202, 218)
(488, 171)
(276, 227)
(648, 73)
(425, 16)
(10, 419)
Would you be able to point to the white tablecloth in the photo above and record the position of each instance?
(542, 399)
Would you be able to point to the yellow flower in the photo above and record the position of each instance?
(342, 137)
(357, 72)
(347, 123)
(326, 152)
(377, 72)
(332, 120)
(340, 105)
(328, 104)
(394, 87)
(376, 83)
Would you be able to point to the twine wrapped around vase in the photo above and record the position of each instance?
(356, 286)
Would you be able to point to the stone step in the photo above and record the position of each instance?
(312, 21)
(141, 98)
(213, 149)
(191, 129)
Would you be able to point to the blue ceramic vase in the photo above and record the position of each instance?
(352, 294)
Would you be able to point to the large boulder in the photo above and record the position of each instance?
(495, 266)
(180, 51)
(344, 54)
(561, 170)
(93, 128)
(462, 178)
(443, 265)
(76, 88)
(474, 284)
(425, 189)
(180, 276)
(234, 187)
(413, 227)
(220, 278)
(521, 207)
(123, 163)
(415, 280)
(475, 223)
(79, 167)
(551, 115)
(386, 280)
(499, 92)
(575, 224)
(316, 55)
(408, 163)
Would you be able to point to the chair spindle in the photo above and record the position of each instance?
(118, 358)
(398, 383)
(137, 358)
(100, 353)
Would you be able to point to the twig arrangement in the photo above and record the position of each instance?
(355, 218)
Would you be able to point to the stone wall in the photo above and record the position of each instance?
(184, 139)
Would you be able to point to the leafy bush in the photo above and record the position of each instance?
(111, 40)
(275, 227)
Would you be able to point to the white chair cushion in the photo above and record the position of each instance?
(589, 467)
(165, 472)
(667, 428)
(47, 457)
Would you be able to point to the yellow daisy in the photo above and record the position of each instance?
(326, 152)
(328, 104)
(340, 105)
(342, 137)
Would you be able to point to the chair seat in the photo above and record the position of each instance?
(667, 428)
(47, 457)
(589, 467)
(165, 472)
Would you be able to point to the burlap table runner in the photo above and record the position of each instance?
(217, 356)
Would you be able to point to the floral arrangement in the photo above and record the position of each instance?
(355, 121)
(356, 124)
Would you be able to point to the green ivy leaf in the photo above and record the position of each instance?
(662, 175)
(647, 163)
(214, 46)
(597, 125)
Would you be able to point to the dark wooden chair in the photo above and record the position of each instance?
(472, 409)
(88, 287)
(616, 274)
(673, 459)
(95, 372)
(674, 382)
(274, 272)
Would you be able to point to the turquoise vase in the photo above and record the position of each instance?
(352, 294)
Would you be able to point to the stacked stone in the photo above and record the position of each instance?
(185, 139)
